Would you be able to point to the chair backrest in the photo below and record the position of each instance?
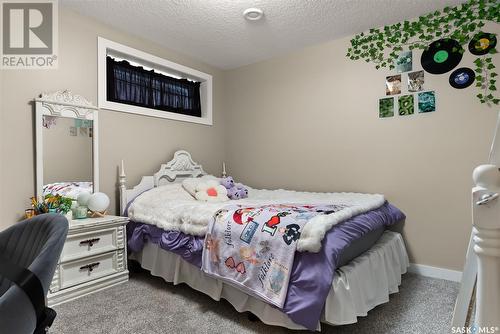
(35, 244)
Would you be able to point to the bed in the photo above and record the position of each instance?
(359, 263)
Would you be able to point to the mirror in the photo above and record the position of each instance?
(66, 145)
(67, 155)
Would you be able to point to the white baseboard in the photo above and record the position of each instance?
(435, 272)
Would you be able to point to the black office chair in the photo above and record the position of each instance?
(29, 251)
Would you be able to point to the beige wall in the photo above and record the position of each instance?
(309, 121)
(143, 142)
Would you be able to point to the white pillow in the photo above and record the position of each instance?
(190, 183)
(211, 191)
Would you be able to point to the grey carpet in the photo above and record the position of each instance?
(147, 304)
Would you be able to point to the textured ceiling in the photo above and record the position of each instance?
(215, 32)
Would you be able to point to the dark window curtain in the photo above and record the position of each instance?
(136, 86)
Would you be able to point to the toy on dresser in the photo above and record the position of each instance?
(234, 190)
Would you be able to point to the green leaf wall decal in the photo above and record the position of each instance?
(461, 23)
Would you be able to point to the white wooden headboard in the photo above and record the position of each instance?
(180, 167)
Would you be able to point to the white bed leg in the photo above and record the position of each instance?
(486, 220)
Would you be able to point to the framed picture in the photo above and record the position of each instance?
(404, 62)
(386, 107)
(405, 104)
(416, 81)
(426, 102)
(393, 85)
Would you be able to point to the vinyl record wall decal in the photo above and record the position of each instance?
(462, 78)
(442, 56)
(482, 43)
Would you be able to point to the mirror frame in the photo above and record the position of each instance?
(64, 104)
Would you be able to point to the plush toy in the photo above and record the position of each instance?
(233, 193)
(227, 182)
(234, 190)
(242, 190)
(211, 191)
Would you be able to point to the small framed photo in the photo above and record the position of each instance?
(405, 105)
(416, 81)
(386, 107)
(404, 63)
(393, 85)
(72, 131)
(426, 102)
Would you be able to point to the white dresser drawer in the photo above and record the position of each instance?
(91, 243)
(84, 270)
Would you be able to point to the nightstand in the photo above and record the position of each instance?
(94, 257)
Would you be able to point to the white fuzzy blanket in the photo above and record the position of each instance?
(170, 207)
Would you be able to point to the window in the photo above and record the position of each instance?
(136, 82)
(137, 86)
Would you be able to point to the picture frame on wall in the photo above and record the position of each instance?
(386, 107)
(426, 102)
(416, 81)
(393, 84)
(406, 105)
(404, 62)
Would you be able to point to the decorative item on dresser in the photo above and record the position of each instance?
(94, 257)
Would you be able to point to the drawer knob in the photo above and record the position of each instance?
(89, 267)
(89, 242)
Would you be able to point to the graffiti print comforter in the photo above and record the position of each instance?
(253, 248)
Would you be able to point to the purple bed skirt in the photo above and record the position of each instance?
(312, 273)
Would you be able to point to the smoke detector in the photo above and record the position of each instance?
(253, 14)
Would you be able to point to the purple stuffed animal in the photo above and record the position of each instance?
(241, 190)
(234, 190)
(227, 182)
(233, 193)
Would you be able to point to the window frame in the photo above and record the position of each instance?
(106, 47)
